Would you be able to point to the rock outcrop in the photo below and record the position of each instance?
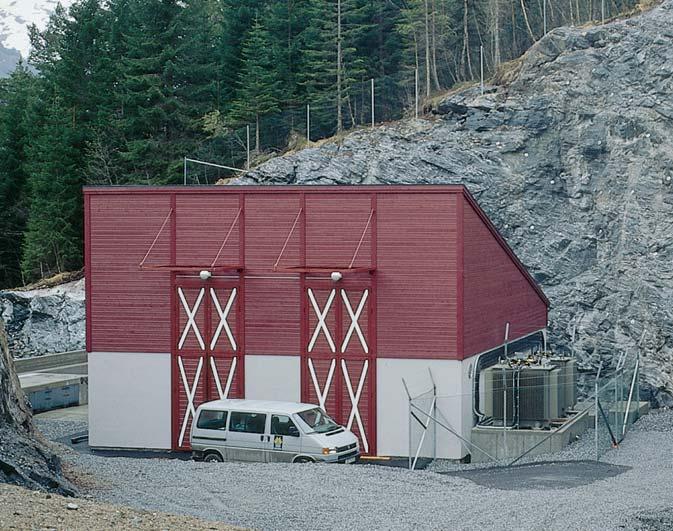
(44, 320)
(25, 458)
(572, 158)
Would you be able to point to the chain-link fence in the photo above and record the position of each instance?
(526, 414)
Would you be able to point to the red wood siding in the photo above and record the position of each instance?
(413, 241)
(334, 228)
(128, 309)
(202, 223)
(272, 300)
(495, 290)
(417, 286)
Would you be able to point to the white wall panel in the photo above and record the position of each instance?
(273, 378)
(393, 405)
(129, 400)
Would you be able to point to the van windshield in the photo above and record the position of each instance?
(318, 420)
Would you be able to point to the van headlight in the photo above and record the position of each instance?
(327, 451)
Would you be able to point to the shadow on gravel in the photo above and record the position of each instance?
(547, 475)
(75, 441)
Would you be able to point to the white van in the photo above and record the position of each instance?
(265, 431)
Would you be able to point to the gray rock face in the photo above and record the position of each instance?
(25, 457)
(573, 162)
(44, 320)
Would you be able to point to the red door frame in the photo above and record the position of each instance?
(207, 307)
(363, 280)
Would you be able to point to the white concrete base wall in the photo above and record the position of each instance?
(453, 405)
(273, 378)
(129, 400)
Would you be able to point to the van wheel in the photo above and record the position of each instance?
(303, 459)
(213, 457)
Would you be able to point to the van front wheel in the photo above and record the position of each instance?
(303, 459)
(213, 457)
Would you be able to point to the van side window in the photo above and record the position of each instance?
(212, 420)
(247, 422)
(283, 425)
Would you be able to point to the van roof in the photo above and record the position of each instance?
(258, 406)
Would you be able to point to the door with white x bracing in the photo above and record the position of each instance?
(207, 362)
(338, 371)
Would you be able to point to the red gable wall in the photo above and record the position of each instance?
(414, 242)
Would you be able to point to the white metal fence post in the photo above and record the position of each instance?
(416, 93)
(308, 122)
(372, 102)
(544, 17)
(247, 146)
(185, 171)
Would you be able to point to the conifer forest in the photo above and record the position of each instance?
(118, 92)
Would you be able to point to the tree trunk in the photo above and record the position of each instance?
(465, 59)
(435, 77)
(496, 32)
(340, 124)
(427, 50)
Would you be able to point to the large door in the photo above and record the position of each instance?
(338, 359)
(207, 362)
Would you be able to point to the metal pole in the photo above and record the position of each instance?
(451, 430)
(372, 102)
(598, 374)
(308, 122)
(628, 403)
(409, 418)
(196, 161)
(544, 17)
(185, 171)
(416, 93)
(481, 67)
(247, 148)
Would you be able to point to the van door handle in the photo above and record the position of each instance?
(261, 438)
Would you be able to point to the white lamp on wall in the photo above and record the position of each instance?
(205, 274)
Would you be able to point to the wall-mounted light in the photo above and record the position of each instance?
(336, 276)
(205, 274)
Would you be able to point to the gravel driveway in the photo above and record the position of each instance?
(275, 496)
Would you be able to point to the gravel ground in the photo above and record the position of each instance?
(274, 496)
(25, 509)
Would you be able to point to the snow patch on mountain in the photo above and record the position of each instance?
(17, 15)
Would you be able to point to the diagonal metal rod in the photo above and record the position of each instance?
(607, 423)
(471, 445)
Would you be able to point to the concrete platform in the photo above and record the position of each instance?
(54, 380)
(511, 443)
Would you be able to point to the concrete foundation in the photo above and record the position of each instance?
(510, 444)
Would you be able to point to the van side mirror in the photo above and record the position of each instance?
(292, 431)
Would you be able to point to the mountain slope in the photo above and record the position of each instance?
(573, 161)
(15, 17)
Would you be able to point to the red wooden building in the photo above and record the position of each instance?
(328, 295)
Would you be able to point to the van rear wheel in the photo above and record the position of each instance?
(213, 457)
(303, 459)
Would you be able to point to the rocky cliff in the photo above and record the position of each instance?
(571, 155)
(25, 458)
(44, 320)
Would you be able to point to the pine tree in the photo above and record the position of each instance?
(258, 81)
(16, 94)
(53, 239)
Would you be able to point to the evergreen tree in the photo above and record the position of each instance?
(16, 95)
(258, 81)
(53, 239)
